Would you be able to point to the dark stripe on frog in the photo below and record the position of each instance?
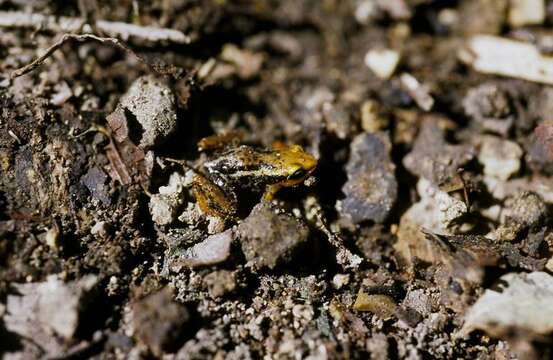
(229, 167)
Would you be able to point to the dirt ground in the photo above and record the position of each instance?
(424, 232)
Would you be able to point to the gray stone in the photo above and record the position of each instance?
(213, 250)
(269, 237)
(487, 101)
(158, 321)
(540, 152)
(49, 312)
(220, 283)
(95, 181)
(371, 188)
(433, 158)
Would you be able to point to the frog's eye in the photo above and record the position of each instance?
(298, 174)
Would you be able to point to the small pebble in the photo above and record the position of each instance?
(501, 158)
(382, 62)
(340, 280)
(526, 12)
(213, 250)
(165, 205)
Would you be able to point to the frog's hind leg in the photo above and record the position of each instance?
(220, 141)
(212, 200)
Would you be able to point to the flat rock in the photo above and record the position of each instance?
(48, 310)
(270, 237)
(371, 188)
(213, 250)
(95, 181)
(520, 302)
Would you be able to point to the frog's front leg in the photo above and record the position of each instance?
(270, 191)
(212, 200)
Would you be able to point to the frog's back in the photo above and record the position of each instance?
(246, 166)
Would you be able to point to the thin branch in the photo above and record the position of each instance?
(64, 24)
(68, 37)
(344, 256)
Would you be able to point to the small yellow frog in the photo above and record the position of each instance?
(246, 167)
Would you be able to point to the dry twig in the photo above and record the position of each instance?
(63, 24)
(344, 257)
(65, 38)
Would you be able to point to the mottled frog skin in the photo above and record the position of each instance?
(247, 167)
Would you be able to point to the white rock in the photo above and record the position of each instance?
(62, 94)
(418, 92)
(501, 56)
(522, 305)
(501, 158)
(437, 209)
(246, 63)
(526, 12)
(542, 186)
(100, 228)
(52, 238)
(366, 11)
(165, 205)
(213, 250)
(339, 280)
(382, 62)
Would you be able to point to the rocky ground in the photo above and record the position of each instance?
(424, 232)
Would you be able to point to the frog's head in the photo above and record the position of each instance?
(297, 165)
